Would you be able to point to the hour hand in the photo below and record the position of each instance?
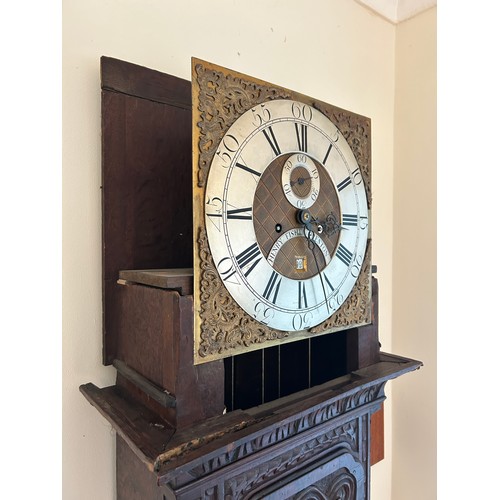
(300, 181)
(330, 225)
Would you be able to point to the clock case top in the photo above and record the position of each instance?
(221, 328)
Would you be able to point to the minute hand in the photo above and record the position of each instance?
(311, 244)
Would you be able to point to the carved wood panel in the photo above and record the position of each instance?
(314, 444)
(321, 453)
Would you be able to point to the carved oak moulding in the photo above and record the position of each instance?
(282, 203)
(313, 444)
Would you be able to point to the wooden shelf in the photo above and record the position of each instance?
(180, 280)
(168, 452)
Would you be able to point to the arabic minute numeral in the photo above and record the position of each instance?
(261, 115)
(357, 177)
(356, 266)
(300, 321)
(229, 146)
(263, 313)
(302, 111)
(226, 269)
(336, 301)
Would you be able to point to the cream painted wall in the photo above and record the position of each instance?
(414, 271)
(335, 50)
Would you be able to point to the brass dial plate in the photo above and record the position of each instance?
(244, 297)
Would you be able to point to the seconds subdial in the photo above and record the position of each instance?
(300, 180)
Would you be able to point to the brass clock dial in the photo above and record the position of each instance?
(283, 215)
(269, 235)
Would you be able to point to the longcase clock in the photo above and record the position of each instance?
(257, 373)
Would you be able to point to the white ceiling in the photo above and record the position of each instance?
(398, 10)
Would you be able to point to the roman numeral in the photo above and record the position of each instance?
(355, 176)
(236, 213)
(344, 183)
(327, 153)
(248, 169)
(250, 256)
(273, 285)
(302, 295)
(301, 137)
(240, 213)
(344, 254)
(269, 135)
(349, 219)
(330, 286)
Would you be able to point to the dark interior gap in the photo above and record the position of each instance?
(267, 374)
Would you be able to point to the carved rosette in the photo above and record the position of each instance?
(340, 486)
(311, 493)
(343, 488)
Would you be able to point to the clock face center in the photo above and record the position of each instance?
(277, 160)
(280, 226)
(304, 217)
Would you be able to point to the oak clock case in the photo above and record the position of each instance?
(281, 215)
(303, 417)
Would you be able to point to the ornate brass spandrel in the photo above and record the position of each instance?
(224, 97)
